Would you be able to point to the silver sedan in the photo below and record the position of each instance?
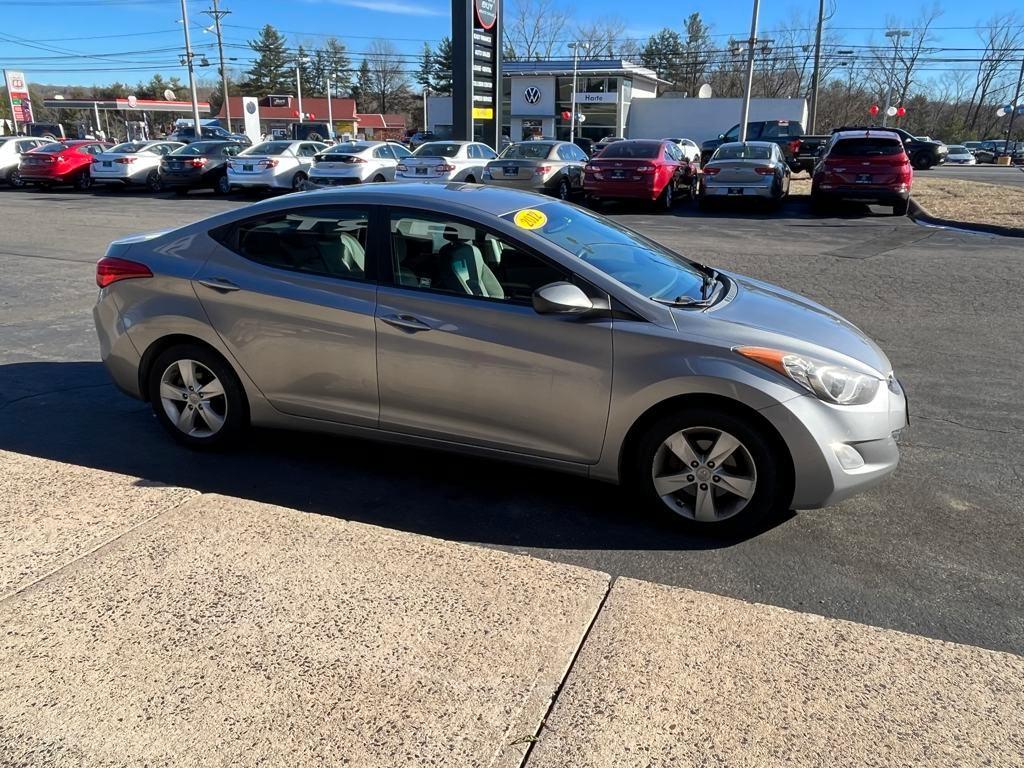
(504, 324)
(755, 169)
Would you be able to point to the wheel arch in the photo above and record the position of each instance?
(720, 402)
(161, 345)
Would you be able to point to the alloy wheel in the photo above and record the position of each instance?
(14, 179)
(704, 474)
(563, 190)
(193, 398)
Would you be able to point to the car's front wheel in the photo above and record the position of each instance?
(710, 469)
(298, 182)
(197, 397)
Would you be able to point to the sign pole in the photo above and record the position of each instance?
(10, 101)
(476, 79)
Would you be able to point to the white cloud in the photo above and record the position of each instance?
(387, 6)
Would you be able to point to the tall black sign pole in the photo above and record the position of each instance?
(476, 81)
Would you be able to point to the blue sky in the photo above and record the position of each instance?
(131, 40)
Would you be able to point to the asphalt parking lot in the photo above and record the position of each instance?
(935, 551)
(1012, 176)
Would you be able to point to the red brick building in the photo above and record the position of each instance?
(278, 112)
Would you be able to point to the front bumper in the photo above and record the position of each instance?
(817, 434)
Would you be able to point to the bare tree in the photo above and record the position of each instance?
(1002, 37)
(387, 80)
(535, 29)
(601, 38)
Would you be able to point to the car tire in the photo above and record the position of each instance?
(14, 178)
(298, 182)
(82, 182)
(901, 208)
(666, 199)
(181, 191)
(694, 187)
(564, 190)
(921, 162)
(222, 185)
(741, 488)
(214, 420)
(153, 183)
(378, 178)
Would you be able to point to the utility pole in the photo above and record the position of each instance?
(895, 35)
(572, 107)
(299, 61)
(1013, 112)
(191, 71)
(745, 112)
(216, 14)
(815, 78)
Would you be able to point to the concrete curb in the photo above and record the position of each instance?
(922, 215)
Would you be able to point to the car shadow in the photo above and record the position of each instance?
(70, 412)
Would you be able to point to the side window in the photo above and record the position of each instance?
(322, 241)
(306, 150)
(486, 152)
(581, 156)
(733, 134)
(564, 153)
(674, 152)
(438, 254)
(473, 151)
(400, 151)
(230, 150)
(384, 152)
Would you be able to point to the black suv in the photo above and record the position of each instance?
(923, 154)
(187, 134)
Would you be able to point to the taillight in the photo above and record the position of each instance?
(711, 171)
(446, 168)
(59, 159)
(794, 146)
(588, 168)
(764, 170)
(540, 170)
(125, 160)
(646, 168)
(353, 159)
(401, 167)
(270, 162)
(198, 162)
(109, 270)
(94, 160)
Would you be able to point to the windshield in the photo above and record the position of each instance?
(534, 150)
(624, 255)
(742, 152)
(956, 149)
(269, 148)
(632, 150)
(199, 148)
(438, 149)
(866, 147)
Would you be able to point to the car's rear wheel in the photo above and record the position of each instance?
(14, 178)
(900, 208)
(564, 191)
(666, 199)
(708, 468)
(378, 178)
(197, 397)
(222, 186)
(153, 183)
(298, 182)
(83, 181)
(921, 162)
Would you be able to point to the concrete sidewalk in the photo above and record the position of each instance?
(154, 626)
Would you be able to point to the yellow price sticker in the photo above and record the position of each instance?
(530, 218)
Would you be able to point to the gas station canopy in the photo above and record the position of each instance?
(127, 105)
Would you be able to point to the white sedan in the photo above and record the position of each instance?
(134, 162)
(11, 150)
(446, 161)
(274, 165)
(356, 162)
(960, 155)
(690, 148)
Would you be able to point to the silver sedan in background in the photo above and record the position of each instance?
(503, 324)
(555, 167)
(133, 162)
(752, 169)
(446, 161)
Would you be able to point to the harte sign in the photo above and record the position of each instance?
(17, 92)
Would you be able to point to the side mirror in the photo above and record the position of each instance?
(721, 136)
(561, 299)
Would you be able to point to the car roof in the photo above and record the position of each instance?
(748, 144)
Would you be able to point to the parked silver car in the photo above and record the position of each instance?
(503, 324)
(746, 169)
(446, 161)
(542, 166)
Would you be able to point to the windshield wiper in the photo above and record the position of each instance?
(681, 301)
(710, 281)
(707, 292)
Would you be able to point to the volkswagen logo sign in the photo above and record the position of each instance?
(250, 107)
(532, 95)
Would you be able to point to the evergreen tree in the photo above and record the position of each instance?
(305, 64)
(444, 63)
(425, 74)
(332, 62)
(363, 88)
(664, 53)
(271, 71)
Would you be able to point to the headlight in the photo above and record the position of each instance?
(831, 383)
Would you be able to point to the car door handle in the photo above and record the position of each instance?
(405, 322)
(220, 284)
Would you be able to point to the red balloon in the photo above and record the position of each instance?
(901, 111)
(295, 113)
(873, 110)
(567, 115)
(312, 116)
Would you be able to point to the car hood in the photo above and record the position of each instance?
(762, 314)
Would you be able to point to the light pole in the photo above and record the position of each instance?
(745, 111)
(575, 68)
(298, 81)
(895, 35)
(816, 76)
(216, 13)
(191, 71)
(1013, 111)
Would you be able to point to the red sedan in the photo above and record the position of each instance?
(62, 162)
(640, 169)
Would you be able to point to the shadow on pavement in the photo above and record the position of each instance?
(70, 412)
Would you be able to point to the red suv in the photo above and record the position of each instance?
(868, 166)
(640, 169)
(62, 162)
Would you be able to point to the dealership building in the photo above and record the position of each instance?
(537, 95)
